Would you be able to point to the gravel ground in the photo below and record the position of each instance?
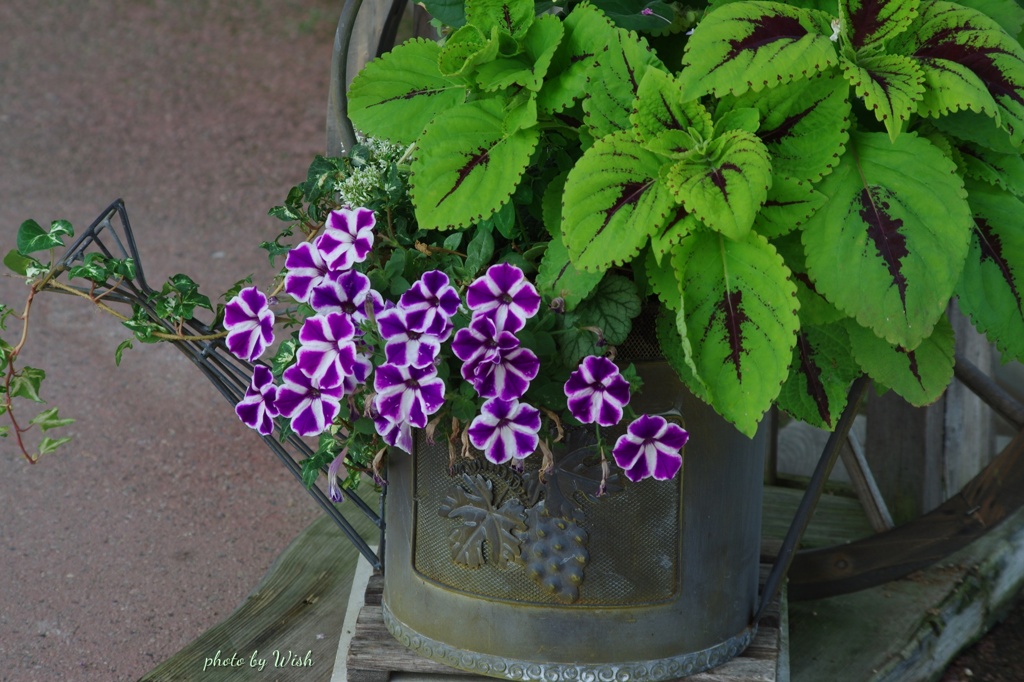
(164, 512)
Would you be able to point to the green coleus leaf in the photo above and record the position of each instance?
(528, 68)
(820, 376)
(744, 46)
(611, 308)
(740, 316)
(991, 288)
(467, 166)
(919, 376)
(612, 88)
(397, 95)
(804, 124)
(889, 245)
(968, 62)
(815, 310)
(889, 84)
(788, 206)
(513, 17)
(1005, 171)
(32, 237)
(725, 183)
(872, 22)
(677, 350)
(661, 278)
(559, 278)
(660, 107)
(672, 232)
(587, 31)
(465, 48)
(613, 201)
(1007, 13)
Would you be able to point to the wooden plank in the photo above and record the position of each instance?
(294, 608)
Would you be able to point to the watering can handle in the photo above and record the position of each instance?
(340, 132)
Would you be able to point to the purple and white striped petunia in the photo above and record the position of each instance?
(346, 292)
(405, 346)
(258, 408)
(250, 324)
(310, 404)
(305, 270)
(407, 394)
(651, 446)
(480, 342)
(505, 429)
(395, 434)
(507, 375)
(326, 348)
(335, 469)
(505, 296)
(347, 237)
(596, 392)
(430, 303)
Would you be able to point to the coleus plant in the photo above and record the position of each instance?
(803, 187)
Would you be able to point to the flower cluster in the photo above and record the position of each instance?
(355, 334)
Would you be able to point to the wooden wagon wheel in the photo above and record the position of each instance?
(988, 499)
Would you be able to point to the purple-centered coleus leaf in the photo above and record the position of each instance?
(481, 342)
(505, 429)
(430, 303)
(250, 324)
(404, 346)
(346, 292)
(596, 392)
(305, 270)
(326, 348)
(407, 394)
(395, 434)
(651, 446)
(505, 296)
(347, 237)
(507, 375)
(333, 471)
(259, 406)
(310, 404)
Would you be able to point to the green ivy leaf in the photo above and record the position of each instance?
(614, 86)
(121, 347)
(613, 201)
(991, 288)
(611, 308)
(25, 384)
(467, 166)
(50, 419)
(804, 124)
(820, 376)
(726, 184)
(19, 264)
(32, 237)
(285, 356)
(48, 445)
(919, 376)
(398, 94)
(889, 245)
(449, 12)
(968, 62)
(740, 315)
(743, 46)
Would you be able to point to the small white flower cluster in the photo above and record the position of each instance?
(364, 182)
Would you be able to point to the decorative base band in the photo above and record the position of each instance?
(670, 668)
